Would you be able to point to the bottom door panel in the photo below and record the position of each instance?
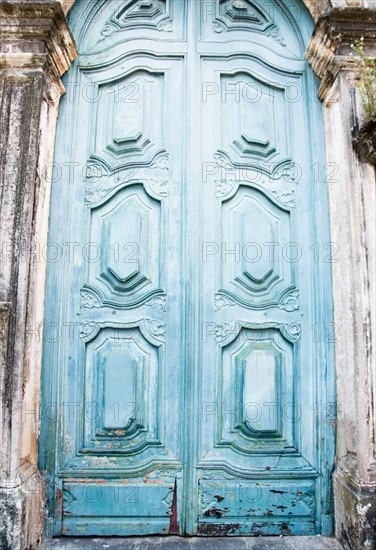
(119, 507)
(256, 507)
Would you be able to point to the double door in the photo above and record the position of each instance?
(190, 383)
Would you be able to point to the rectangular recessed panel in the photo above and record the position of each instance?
(257, 499)
(260, 393)
(117, 498)
(119, 389)
(116, 507)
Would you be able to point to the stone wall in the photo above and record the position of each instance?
(352, 213)
(36, 49)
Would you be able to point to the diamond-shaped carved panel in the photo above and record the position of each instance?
(257, 274)
(127, 270)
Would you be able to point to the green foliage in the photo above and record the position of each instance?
(366, 66)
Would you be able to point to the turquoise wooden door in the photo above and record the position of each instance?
(188, 368)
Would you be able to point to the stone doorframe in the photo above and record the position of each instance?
(36, 49)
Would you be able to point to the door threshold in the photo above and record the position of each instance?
(199, 543)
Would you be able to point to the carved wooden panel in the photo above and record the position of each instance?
(256, 274)
(115, 503)
(128, 117)
(256, 378)
(255, 123)
(245, 15)
(114, 23)
(141, 13)
(127, 271)
(120, 371)
(187, 392)
(122, 387)
(257, 421)
(252, 20)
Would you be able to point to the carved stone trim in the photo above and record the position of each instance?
(357, 503)
(36, 48)
(330, 46)
(36, 35)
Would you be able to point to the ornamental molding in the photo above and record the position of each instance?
(329, 50)
(36, 35)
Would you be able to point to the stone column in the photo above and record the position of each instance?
(352, 210)
(36, 48)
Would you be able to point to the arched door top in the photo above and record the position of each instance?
(283, 26)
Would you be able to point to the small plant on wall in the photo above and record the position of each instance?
(366, 84)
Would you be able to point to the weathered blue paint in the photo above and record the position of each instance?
(190, 388)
